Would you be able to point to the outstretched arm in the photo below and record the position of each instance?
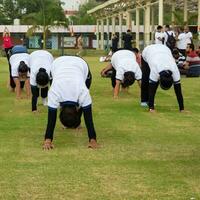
(90, 127)
(116, 89)
(52, 115)
(179, 96)
(104, 70)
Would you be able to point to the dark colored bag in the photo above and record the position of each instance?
(171, 41)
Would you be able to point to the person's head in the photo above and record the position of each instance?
(175, 53)
(186, 29)
(70, 116)
(23, 70)
(129, 79)
(159, 28)
(42, 78)
(166, 79)
(189, 48)
(167, 27)
(135, 50)
(128, 31)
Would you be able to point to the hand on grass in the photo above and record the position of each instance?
(93, 144)
(48, 145)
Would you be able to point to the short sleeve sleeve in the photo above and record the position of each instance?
(84, 99)
(119, 74)
(53, 99)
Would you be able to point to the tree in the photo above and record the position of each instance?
(82, 17)
(49, 14)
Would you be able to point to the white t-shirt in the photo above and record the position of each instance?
(39, 59)
(160, 35)
(124, 61)
(159, 58)
(188, 37)
(69, 75)
(15, 61)
(182, 41)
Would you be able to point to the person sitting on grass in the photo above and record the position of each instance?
(125, 70)
(192, 56)
(19, 62)
(40, 64)
(159, 67)
(70, 92)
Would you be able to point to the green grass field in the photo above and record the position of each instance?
(143, 156)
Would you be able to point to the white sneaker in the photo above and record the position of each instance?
(44, 101)
(144, 104)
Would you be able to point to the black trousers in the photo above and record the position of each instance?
(145, 81)
(88, 81)
(113, 78)
(35, 94)
(8, 54)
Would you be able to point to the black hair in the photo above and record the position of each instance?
(70, 116)
(128, 30)
(159, 27)
(135, 50)
(129, 79)
(167, 26)
(191, 46)
(175, 52)
(23, 68)
(42, 78)
(166, 79)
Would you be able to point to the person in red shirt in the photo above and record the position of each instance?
(192, 56)
(7, 45)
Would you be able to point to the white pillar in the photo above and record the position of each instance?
(173, 12)
(129, 20)
(137, 27)
(120, 29)
(113, 24)
(152, 23)
(185, 12)
(160, 12)
(147, 24)
(102, 34)
(97, 33)
(198, 19)
(108, 31)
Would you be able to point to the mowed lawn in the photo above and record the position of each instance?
(142, 156)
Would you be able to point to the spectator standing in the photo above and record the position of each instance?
(182, 41)
(115, 41)
(80, 44)
(169, 38)
(127, 38)
(188, 35)
(159, 35)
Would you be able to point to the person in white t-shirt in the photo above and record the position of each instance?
(40, 64)
(188, 35)
(159, 67)
(182, 41)
(159, 35)
(125, 70)
(170, 38)
(70, 91)
(19, 62)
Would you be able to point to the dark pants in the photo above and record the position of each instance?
(88, 81)
(145, 81)
(35, 94)
(113, 78)
(8, 54)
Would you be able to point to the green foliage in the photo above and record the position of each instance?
(82, 17)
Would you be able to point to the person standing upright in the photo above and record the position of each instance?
(127, 38)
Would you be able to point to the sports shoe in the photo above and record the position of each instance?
(144, 104)
(44, 101)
